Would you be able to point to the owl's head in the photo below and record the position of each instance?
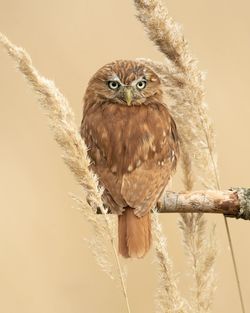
(127, 83)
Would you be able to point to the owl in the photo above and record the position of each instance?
(132, 142)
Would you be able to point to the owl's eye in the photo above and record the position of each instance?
(113, 84)
(141, 84)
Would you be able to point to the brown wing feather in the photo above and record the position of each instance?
(142, 187)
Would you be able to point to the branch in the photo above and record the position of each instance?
(234, 202)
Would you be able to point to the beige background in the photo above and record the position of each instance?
(45, 265)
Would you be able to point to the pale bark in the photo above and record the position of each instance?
(232, 203)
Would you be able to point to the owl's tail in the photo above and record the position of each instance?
(134, 234)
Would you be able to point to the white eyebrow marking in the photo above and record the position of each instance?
(115, 78)
(134, 82)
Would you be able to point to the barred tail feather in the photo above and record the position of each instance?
(134, 234)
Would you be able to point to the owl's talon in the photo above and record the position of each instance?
(159, 205)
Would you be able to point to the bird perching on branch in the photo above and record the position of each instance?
(133, 145)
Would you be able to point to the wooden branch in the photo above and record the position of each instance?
(234, 202)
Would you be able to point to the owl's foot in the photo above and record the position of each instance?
(159, 205)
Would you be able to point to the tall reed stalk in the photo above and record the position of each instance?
(183, 84)
(66, 133)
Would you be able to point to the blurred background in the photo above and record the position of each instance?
(45, 264)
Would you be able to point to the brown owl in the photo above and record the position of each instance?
(133, 145)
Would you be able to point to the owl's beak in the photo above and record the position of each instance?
(128, 95)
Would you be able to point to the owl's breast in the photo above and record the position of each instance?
(124, 137)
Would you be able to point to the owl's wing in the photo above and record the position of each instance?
(97, 132)
(142, 187)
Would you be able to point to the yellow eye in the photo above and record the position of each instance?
(113, 84)
(141, 84)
